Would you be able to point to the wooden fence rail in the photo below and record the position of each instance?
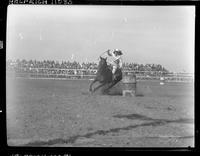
(90, 74)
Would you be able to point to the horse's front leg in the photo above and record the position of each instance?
(101, 85)
(95, 80)
(111, 85)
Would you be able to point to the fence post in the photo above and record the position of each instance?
(162, 80)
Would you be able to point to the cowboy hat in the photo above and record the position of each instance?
(118, 52)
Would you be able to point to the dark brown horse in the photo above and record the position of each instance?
(104, 76)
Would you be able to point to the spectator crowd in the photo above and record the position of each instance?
(75, 68)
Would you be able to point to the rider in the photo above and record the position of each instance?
(114, 59)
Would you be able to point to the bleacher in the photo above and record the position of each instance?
(85, 70)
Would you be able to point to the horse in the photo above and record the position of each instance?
(104, 76)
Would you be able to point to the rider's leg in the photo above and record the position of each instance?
(114, 70)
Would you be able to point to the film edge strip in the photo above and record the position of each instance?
(64, 2)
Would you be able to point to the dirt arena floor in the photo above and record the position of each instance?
(62, 113)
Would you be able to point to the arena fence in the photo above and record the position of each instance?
(85, 74)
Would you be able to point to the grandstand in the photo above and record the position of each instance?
(86, 70)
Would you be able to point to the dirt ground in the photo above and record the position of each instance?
(59, 113)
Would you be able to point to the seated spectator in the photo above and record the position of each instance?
(89, 68)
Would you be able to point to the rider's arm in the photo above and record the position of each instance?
(112, 54)
(109, 53)
(105, 54)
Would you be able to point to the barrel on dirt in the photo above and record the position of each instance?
(129, 84)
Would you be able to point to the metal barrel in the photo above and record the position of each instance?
(129, 83)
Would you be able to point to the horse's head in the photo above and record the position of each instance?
(102, 62)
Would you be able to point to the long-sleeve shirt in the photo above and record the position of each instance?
(113, 60)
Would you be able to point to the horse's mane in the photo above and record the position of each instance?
(100, 67)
